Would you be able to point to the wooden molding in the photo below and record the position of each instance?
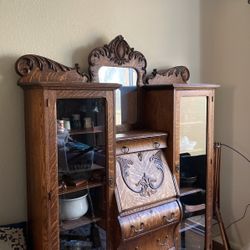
(178, 74)
(36, 69)
(117, 54)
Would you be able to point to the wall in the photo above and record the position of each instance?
(225, 54)
(166, 31)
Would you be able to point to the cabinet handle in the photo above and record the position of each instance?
(156, 145)
(125, 150)
(111, 182)
(137, 230)
(169, 219)
(164, 242)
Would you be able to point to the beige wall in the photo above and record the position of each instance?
(211, 37)
(166, 31)
(225, 59)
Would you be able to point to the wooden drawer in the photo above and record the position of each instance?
(127, 145)
(143, 222)
(162, 239)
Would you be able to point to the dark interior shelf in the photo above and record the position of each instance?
(190, 190)
(194, 208)
(94, 130)
(93, 168)
(71, 224)
(89, 184)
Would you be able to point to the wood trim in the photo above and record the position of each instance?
(178, 74)
(36, 69)
(117, 53)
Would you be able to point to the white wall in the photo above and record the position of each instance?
(225, 59)
(167, 32)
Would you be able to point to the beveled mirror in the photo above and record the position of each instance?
(117, 62)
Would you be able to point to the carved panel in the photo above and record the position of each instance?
(36, 69)
(151, 174)
(117, 54)
(143, 179)
(178, 74)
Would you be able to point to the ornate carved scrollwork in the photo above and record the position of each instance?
(146, 184)
(34, 68)
(117, 54)
(178, 74)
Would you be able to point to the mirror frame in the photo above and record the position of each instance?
(117, 54)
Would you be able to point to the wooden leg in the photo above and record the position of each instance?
(222, 229)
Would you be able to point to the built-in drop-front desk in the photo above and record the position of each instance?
(146, 193)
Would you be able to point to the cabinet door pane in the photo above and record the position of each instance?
(82, 172)
(193, 168)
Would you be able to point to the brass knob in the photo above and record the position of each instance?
(124, 149)
(137, 230)
(156, 145)
(169, 219)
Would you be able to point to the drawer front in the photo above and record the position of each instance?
(136, 145)
(143, 222)
(159, 240)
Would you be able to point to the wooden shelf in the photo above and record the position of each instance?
(71, 224)
(90, 184)
(190, 190)
(93, 168)
(94, 130)
(194, 208)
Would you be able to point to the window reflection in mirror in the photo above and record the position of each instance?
(126, 96)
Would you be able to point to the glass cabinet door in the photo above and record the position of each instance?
(81, 173)
(193, 169)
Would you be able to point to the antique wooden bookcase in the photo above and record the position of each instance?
(150, 179)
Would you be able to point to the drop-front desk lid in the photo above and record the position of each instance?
(143, 178)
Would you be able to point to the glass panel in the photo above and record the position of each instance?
(127, 77)
(81, 173)
(193, 163)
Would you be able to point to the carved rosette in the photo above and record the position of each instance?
(144, 178)
(117, 54)
(34, 68)
(178, 74)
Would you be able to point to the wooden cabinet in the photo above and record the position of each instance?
(150, 186)
(186, 111)
(64, 165)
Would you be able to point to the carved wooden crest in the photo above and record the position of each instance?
(117, 54)
(178, 74)
(34, 69)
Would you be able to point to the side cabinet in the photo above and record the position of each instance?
(186, 111)
(70, 150)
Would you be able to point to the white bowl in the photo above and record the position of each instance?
(73, 206)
